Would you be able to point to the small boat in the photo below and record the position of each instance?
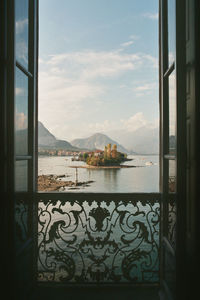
(149, 163)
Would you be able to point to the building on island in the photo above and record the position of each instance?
(110, 153)
(114, 151)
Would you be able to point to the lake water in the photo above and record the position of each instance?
(102, 241)
(143, 178)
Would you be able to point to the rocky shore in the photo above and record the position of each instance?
(50, 183)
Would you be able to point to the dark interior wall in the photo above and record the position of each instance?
(6, 150)
(6, 241)
(197, 139)
(193, 143)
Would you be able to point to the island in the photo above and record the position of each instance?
(109, 158)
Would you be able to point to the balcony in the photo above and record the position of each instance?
(98, 239)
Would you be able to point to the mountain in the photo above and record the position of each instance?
(144, 140)
(141, 141)
(47, 140)
(96, 141)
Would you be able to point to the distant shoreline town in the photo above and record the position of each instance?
(56, 152)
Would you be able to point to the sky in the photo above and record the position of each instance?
(98, 66)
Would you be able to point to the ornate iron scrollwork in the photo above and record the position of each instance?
(98, 242)
(21, 223)
(172, 222)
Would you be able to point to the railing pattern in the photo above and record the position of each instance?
(97, 241)
(21, 223)
(172, 222)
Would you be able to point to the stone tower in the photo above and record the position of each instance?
(105, 152)
(114, 151)
(109, 150)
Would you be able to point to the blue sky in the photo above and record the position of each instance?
(98, 66)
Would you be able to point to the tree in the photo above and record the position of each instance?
(85, 156)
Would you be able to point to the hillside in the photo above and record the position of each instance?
(97, 141)
(47, 140)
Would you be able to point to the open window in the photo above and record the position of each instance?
(103, 226)
(68, 239)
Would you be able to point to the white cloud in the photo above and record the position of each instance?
(21, 25)
(68, 82)
(127, 44)
(92, 64)
(21, 121)
(151, 16)
(106, 125)
(22, 50)
(72, 77)
(151, 59)
(134, 37)
(87, 66)
(135, 122)
(19, 91)
(171, 57)
(55, 88)
(146, 87)
(138, 121)
(131, 124)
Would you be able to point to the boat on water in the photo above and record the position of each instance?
(149, 163)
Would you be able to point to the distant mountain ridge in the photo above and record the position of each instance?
(144, 140)
(47, 140)
(97, 141)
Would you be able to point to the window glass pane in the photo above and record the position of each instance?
(21, 176)
(171, 31)
(21, 113)
(21, 29)
(172, 113)
(172, 176)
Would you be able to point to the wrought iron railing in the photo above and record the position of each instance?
(98, 238)
(172, 221)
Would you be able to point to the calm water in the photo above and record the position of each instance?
(134, 227)
(144, 178)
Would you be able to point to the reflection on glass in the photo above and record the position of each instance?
(172, 113)
(21, 176)
(171, 31)
(21, 113)
(21, 30)
(172, 176)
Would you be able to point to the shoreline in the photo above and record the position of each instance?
(49, 183)
(103, 167)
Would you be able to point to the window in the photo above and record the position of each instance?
(105, 226)
(87, 237)
(24, 106)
